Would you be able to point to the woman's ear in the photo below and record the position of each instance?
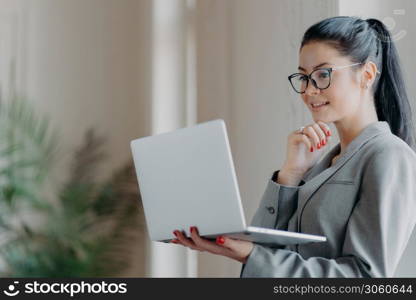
(369, 73)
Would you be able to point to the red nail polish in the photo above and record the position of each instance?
(323, 142)
(328, 133)
(175, 241)
(319, 146)
(311, 149)
(220, 240)
(191, 229)
(175, 233)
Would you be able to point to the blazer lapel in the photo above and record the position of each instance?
(320, 173)
(322, 164)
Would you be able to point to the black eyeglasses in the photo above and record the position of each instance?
(320, 78)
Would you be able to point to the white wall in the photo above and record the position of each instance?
(173, 106)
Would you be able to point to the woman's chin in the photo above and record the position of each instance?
(325, 119)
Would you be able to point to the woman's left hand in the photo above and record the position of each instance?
(235, 249)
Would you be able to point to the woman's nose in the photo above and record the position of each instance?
(311, 90)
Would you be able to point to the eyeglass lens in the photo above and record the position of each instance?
(321, 78)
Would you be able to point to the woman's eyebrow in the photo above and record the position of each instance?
(317, 66)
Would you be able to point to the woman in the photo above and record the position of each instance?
(361, 194)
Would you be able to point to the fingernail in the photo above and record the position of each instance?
(220, 240)
(311, 149)
(319, 146)
(175, 241)
(328, 133)
(191, 229)
(323, 142)
(175, 233)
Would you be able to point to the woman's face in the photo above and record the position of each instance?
(343, 94)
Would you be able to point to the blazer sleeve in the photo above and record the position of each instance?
(277, 205)
(377, 232)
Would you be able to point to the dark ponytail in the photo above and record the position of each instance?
(364, 40)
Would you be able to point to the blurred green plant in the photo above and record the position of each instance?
(83, 228)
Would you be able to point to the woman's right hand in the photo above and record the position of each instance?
(303, 151)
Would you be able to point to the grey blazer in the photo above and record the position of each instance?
(365, 204)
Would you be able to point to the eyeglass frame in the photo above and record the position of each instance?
(314, 82)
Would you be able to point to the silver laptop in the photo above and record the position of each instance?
(187, 178)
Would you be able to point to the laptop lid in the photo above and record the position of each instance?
(187, 178)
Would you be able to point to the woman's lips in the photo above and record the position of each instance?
(319, 106)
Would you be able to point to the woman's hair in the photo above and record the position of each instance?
(369, 40)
